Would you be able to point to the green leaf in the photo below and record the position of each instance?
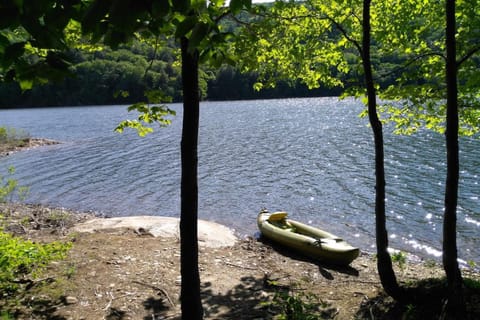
(198, 4)
(147, 116)
(12, 52)
(364, 113)
(364, 100)
(26, 84)
(157, 96)
(4, 42)
(121, 93)
(181, 6)
(95, 13)
(160, 8)
(43, 36)
(216, 3)
(57, 18)
(257, 86)
(199, 33)
(135, 106)
(185, 26)
(125, 15)
(237, 5)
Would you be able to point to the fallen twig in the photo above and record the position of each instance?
(109, 304)
(165, 293)
(239, 266)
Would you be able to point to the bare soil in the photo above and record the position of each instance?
(121, 274)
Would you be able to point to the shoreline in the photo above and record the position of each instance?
(414, 253)
(110, 265)
(25, 144)
(128, 273)
(92, 221)
(210, 233)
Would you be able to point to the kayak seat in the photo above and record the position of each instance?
(283, 224)
(330, 241)
(277, 216)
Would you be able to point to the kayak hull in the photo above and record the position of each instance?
(307, 240)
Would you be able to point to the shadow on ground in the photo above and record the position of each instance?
(324, 268)
(252, 297)
(249, 294)
(427, 301)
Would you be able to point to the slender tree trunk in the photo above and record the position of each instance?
(190, 292)
(384, 262)
(455, 305)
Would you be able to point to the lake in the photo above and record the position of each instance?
(313, 158)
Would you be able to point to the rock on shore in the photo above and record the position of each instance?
(210, 234)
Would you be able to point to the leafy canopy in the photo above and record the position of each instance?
(319, 43)
(118, 21)
(292, 41)
(33, 38)
(414, 31)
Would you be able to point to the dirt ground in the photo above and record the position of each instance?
(121, 274)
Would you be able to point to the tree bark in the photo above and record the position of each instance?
(384, 262)
(455, 306)
(190, 291)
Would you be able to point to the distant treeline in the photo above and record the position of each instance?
(104, 77)
(122, 76)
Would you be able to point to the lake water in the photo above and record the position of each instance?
(311, 157)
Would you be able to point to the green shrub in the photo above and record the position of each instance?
(400, 258)
(5, 315)
(9, 187)
(472, 283)
(300, 306)
(13, 136)
(21, 259)
(3, 135)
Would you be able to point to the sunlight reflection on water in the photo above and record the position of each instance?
(310, 157)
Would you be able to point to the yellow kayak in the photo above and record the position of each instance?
(307, 240)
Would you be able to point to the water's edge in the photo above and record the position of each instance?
(310, 157)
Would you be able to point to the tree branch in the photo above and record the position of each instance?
(154, 57)
(467, 56)
(412, 61)
(345, 34)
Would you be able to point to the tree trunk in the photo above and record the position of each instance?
(455, 305)
(384, 262)
(190, 292)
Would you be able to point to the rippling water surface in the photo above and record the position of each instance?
(310, 157)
